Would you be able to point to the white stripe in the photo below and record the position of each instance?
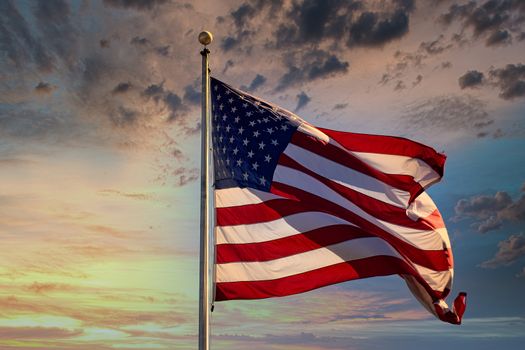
(422, 173)
(421, 239)
(400, 165)
(299, 263)
(235, 196)
(348, 177)
(280, 228)
(437, 280)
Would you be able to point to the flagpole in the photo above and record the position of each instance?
(205, 39)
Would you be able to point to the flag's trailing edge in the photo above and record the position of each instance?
(299, 207)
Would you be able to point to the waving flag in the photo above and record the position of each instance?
(300, 207)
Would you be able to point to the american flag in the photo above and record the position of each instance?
(299, 207)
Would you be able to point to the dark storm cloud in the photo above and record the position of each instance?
(302, 100)
(510, 80)
(492, 19)
(446, 113)
(490, 212)
(256, 83)
(509, 251)
(140, 5)
(471, 79)
(400, 85)
(104, 43)
(370, 29)
(44, 88)
(163, 50)
(122, 88)
(311, 66)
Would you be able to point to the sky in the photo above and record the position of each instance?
(99, 163)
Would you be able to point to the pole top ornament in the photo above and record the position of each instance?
(205, 38)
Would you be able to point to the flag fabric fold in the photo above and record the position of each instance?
(299, 207)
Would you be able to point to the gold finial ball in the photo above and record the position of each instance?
(205, 38)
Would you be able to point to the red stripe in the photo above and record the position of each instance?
(355, 269)
(338, 155)
(438, 260)
(375, 207)
(286, 246)
(270, 210)
(389, 145)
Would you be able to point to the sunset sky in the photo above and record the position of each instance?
(99, 163)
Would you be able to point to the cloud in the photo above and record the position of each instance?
(44, 88)
(370, 29)
(434, 47)
(491, 19)
(340, 106)
(122, 88)
(510, 80)
(139, 5)
(132, 195)
(302, 100)
(509, 251)
(472, 78)
(104, 43)
(490, 212)
(23, 333)
(256, 83)
(418, 80)
(310, 66)
(499, 37)
(445, 113)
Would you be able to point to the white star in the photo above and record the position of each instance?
(232, 139)
(278, 117)
(235, 151)
(239, 162)
(224, 117)
(250, 154)
(234, 109)
(221, 106)
(263, 180)
(252, 123)
(248, 114)
(218, 97)
(228, 161)
(230, 100)
(245, 105)
(245, 175)
(228, 92)
(241, 130)
(236, 118)
(274, 142)
(269, 131)
(215, 87)
(284, 127)
(228, 128)
(220, 138)
(267, 158)
(256, 133)
(261, 145)
(266, 120)
(224, 149)
(255, 166)
(218, 127)
(245, 142)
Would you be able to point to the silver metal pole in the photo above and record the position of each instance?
(205, 38)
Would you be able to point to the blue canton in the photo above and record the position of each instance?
(248, 137)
